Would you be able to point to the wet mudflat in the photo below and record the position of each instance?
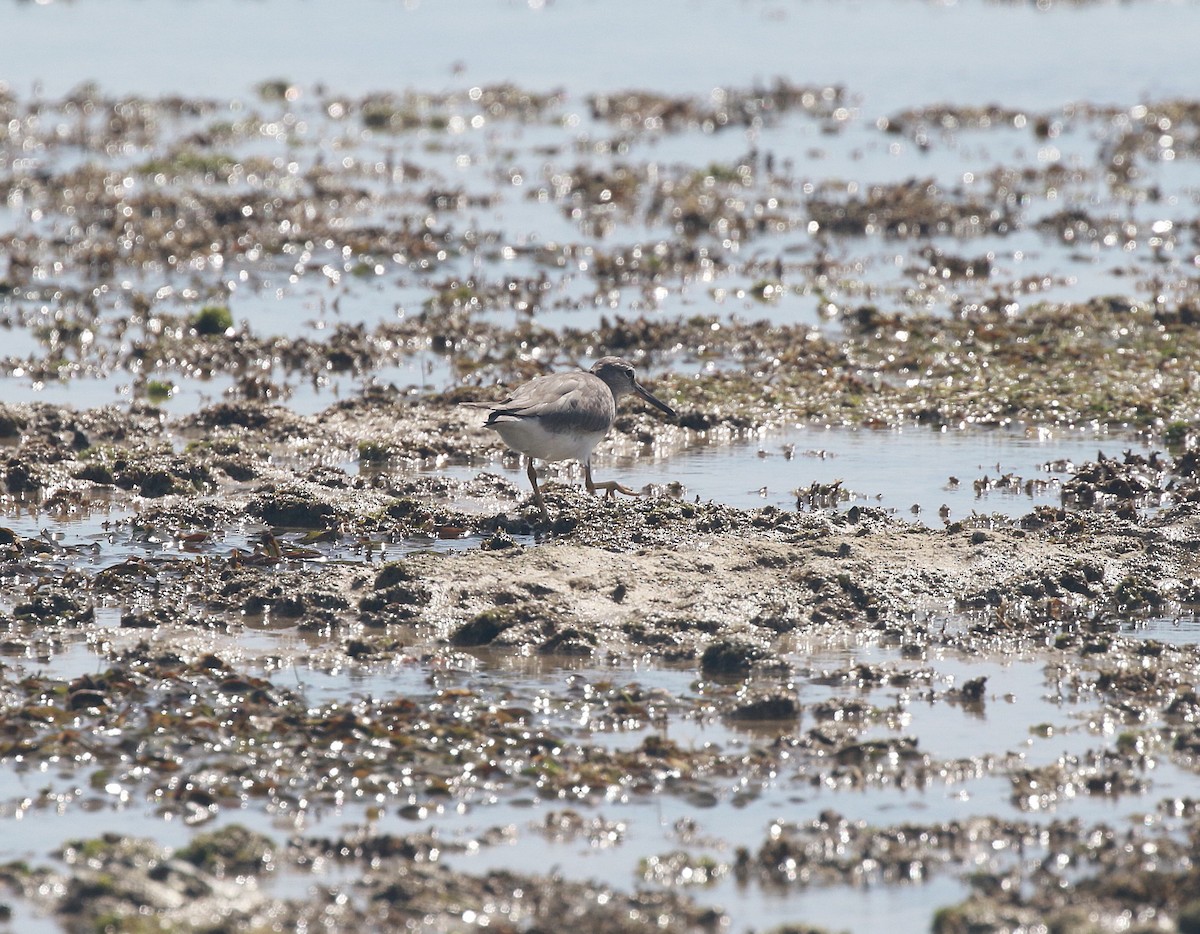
(902, 629)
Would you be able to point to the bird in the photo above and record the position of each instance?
(563, 416)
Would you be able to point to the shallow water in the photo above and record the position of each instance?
(106, 535)
(317, 289)
(924, 475)
(1031, 57)
(914, 472)
(889, 57)
(43, 809)
(304, 396)
(1174, 630)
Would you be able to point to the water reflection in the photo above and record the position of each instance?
(922, 474)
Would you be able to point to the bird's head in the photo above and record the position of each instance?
(618, 375)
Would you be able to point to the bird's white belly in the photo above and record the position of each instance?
(529, 437)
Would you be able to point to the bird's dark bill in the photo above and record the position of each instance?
(650, 397)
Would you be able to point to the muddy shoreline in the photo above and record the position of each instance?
(732, 597)
(327, 681)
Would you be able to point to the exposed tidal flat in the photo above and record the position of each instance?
(901, 630)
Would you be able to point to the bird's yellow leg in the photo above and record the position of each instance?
(608, 486)
(537, 494)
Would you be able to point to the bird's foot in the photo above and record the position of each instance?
(611, 488)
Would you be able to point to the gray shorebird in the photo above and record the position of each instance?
(564, 416)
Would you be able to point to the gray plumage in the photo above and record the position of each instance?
(563, 416)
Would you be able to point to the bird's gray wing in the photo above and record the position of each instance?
(562, 402)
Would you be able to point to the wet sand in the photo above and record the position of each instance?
(295, 653)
